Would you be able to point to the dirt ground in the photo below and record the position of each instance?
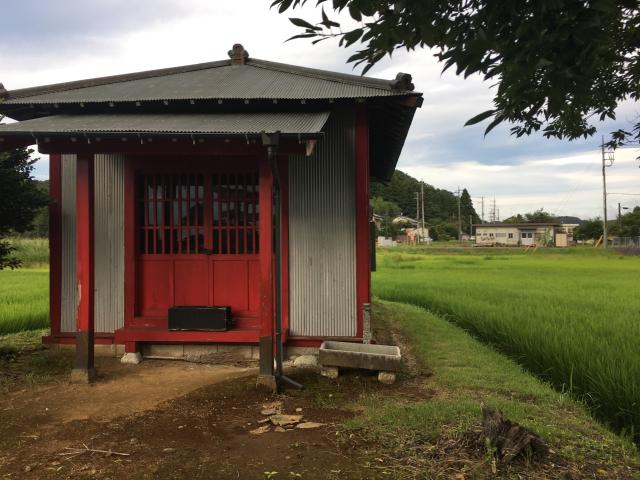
(176, 420)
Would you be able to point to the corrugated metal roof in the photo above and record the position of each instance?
(258, 79)
(210, 123)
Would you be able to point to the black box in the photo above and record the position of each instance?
(212, 319)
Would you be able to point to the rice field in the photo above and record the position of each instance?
(24, 300)
(572, 316)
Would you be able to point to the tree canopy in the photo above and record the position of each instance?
(537, 216)
(20, 200)
(557, 65)
(628, 225)
(440, 206)
(589, 230)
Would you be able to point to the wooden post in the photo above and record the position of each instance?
(363, 267)
(83, 369)
(265, 208)
(55, 240)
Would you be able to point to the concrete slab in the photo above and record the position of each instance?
(386, 358)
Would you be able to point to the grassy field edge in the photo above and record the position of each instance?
(463, 374)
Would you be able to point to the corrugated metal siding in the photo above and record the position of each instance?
(109, 242)
(68, 227)
(322, 235)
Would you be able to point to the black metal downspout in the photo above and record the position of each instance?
(271, 141)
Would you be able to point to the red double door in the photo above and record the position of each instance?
(197, 240)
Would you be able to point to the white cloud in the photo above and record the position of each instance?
(523, 174)
(570, 185)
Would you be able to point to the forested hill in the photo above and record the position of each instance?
(440, 206)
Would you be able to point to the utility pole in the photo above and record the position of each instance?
(619, 218)
(422, 196)
(470, 225)
(607, 157)
(459, 217)
(482, 209)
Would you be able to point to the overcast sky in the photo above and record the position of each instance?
(48, 42)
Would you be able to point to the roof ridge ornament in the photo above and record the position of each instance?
(238, 54)
(403, 81)
(3, 91)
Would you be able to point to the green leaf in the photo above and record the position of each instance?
(480, 117)
(496, 121)
(355, 13)
(302, 35)
(351, 37)
(299, 22)
(326, 22)
(284, 5)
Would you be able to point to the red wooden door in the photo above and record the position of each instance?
(198, 240)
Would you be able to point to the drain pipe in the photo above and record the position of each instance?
(271, 141)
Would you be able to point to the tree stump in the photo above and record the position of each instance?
(509, 439)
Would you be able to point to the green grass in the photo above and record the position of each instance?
(24, 300)
(571, 316)
(24, 361)
(32, 252)
(465, 373)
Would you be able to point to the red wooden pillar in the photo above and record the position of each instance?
(283, 167)
(363, 274)
(55, 241)
(265, 231)
(129, 250)
(83, 370)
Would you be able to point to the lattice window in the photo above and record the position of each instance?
(197, 213)
(171, 214)
(235, 213)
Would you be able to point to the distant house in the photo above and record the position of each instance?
(377, 220)
(404, 220)
(564, 234)
(417, 235)
(516, 234)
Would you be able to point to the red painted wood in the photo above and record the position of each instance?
(191, 284)
(129, 242)
(155, 285)
(162, 146)
(283, 165)
(55, 242)
(266, 248)
(70, 339)
(84, 243)
(254, 285)
(363, 274)
(8, 144)
(237, 335)
(231, 285)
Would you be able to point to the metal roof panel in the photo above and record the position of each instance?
(216, 123)
(258, 79)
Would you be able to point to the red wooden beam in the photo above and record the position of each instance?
(363, 274)
(164, 146)
(84, 371)
(8, 143)
(55, 241)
